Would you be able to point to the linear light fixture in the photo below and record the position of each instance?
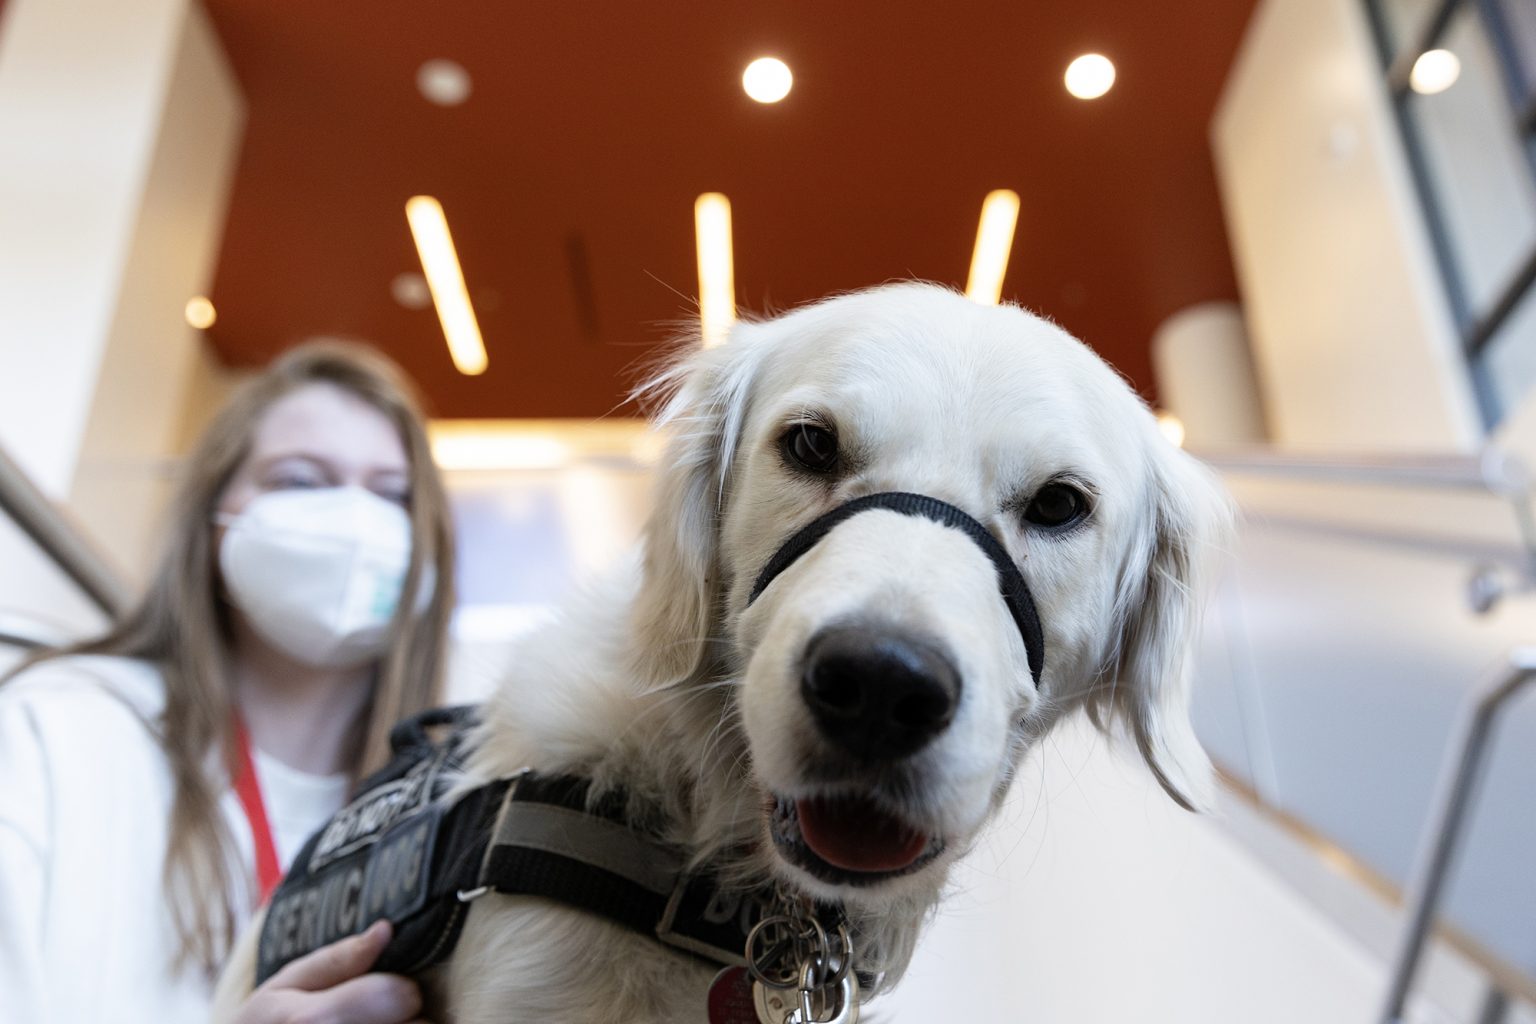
(501, 450)
(994, 239)
(717, 275)
(429, 227)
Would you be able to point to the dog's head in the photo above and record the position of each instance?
(884, 686)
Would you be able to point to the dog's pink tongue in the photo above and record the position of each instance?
(857, 836)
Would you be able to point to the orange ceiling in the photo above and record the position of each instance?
(569, 175)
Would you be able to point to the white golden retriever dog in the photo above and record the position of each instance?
(841, 723)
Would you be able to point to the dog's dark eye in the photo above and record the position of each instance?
(1056, 505)
(810, 447)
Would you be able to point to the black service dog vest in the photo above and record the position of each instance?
(412, 848)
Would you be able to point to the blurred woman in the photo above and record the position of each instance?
(154, 782)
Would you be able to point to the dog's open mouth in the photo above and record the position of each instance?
(849, 840)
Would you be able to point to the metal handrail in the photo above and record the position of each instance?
(1463, 760)
(1495, 472)
(1492, 471)
(48, 527)
(19, 630)
(18, 640)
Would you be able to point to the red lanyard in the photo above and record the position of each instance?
(248, 788)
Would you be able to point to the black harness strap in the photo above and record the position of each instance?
(546, 844)
(412, 849)
(549, 841)
(1010, 582)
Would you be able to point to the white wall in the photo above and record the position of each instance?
(119, 125)
(82, 87)
(1352, 338)
(155, 364)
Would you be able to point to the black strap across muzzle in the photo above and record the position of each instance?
(1010, 582)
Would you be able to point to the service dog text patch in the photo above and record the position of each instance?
(386, 877)
(373, 859)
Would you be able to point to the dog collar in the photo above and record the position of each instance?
(413, 848)
(1010, 581)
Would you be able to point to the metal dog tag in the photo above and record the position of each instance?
(730, 998)
(784, 1006)
(774, 1005)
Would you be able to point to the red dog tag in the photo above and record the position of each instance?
(730, 998)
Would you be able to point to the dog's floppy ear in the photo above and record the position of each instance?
(680, 586)
(1157, 613)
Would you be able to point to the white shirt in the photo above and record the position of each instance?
(85, 800)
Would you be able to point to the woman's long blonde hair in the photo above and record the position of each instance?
(181, 624)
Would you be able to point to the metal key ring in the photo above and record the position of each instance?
(777, 943)
(845, 961)
(820, 953)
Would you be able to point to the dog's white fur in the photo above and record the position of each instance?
(662, 680)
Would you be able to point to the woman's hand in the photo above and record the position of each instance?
(332, 986)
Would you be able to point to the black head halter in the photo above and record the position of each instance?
(1010, 582)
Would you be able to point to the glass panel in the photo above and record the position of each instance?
(1520, 19)
(1405, 19)
(1481, 179)
(525, 538)
(1509, 361)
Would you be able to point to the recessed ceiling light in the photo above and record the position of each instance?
(200, 312)
(1434, 71)
(444, 82)
(767, 79)
(1090, 76)
(410, 290)
(1172, 428)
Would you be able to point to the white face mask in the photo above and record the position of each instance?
(318, 572)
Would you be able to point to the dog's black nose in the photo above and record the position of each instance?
(876, 693)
